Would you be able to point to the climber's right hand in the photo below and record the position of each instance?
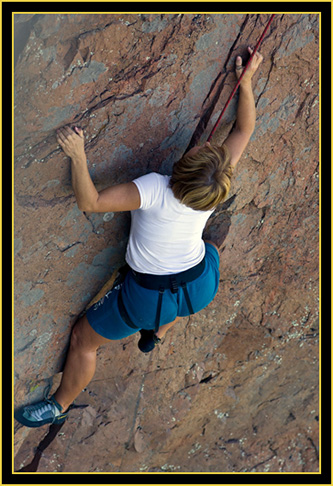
(254, 64)
(72, 142)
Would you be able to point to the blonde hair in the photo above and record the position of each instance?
(202, 181)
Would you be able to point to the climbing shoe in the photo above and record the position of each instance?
(48, 411)
(147, 341)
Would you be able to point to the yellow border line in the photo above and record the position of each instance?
(134, 12)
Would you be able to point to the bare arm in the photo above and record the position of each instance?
(246, 112)
(122, 197)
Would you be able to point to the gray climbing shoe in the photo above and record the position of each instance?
(48, 411)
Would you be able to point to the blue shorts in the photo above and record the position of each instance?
(141, 303)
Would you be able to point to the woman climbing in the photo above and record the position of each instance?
(172, 271)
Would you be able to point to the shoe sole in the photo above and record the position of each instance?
(22, 420)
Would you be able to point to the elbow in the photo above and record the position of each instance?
(86, 206)
(246, 130)
(83, 208)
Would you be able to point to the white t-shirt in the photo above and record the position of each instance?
(166, 235)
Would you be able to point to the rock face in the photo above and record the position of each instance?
(235, 387)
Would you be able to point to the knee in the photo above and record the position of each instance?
(76, 340)
(79, 341)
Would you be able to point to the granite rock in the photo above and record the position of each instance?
(235, 387)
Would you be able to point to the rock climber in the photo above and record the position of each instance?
(172, 271)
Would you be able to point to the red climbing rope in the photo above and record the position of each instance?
(241, 76)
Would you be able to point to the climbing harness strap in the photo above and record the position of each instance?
(240, 78)
(159, 309)
(161, 283)
(172, 282)
(126, 318)
(187, 298)
(123, 312)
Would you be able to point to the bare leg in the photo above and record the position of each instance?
(163, 329)
(80, 363)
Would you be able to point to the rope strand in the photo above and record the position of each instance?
(240, 78)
